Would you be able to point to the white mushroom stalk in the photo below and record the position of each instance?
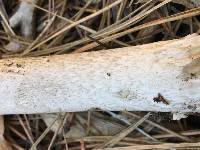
(162, 76)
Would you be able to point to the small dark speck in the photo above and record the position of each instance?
(192, 107)
(193, 75)
(8, 64)
(19, 65)
(108, 74)
(48, 60)
(9, 71)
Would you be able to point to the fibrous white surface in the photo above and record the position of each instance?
(130, 78)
